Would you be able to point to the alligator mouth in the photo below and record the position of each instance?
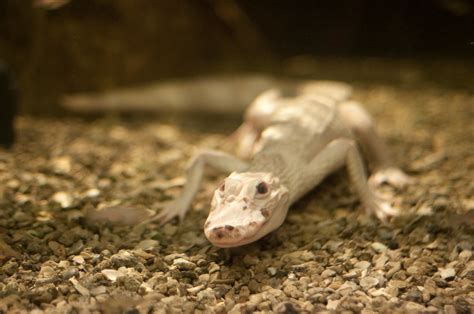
(227, 236)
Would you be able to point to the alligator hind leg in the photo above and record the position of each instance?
(245, 138)
(257, 117)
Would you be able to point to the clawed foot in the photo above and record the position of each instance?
(382, 206)
(391, 176)
(383, 210)
(170, 210)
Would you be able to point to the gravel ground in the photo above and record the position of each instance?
(58, 255)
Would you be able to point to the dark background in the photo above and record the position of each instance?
(100, 44)
(437, 28)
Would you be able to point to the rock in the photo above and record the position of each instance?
(78, 259)
(413, 307)
(396, 266)
(131, 282)
(171, 257)
(206, 296)
(292, 292)
(98, 290)
(7, 251)
(379, 247)
(147, 245)
(195, 290)
(79, 287)
(112, 274)
(183, 264)
(61, 164)
(400, 284)
(57, 248)
(447, 273)
(380, 292)
(76, 248)
(381, 261)
(254, 286)
(328, 273)
(70, 272)
(250, 260)
(123, 258)
(298, 257)
(44, 294)
(271, 271)
(213, 267)
(332, 305)
(362, 265)
(47, 272)
(92, 193)
(286, 308)
(347, 287)
(169, 230)
(414, 295)
(145, 288)
(64, 199)
(368, 282)
(332, 246)
(414, 270)
(428, 162)
(244, 294)
(449, 309)
(462, 306)
(254, 301)
(10, 267)
(350, 275)
(465, 255)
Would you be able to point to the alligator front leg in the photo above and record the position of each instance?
(342, 152)
(216, 159)
(361, 124)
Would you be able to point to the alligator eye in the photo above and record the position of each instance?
(222, 187)
(262, 188)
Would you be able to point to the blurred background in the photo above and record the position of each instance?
(56, 46)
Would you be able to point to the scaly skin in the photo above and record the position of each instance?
(295, 139)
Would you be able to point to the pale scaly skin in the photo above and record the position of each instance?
(294, 140)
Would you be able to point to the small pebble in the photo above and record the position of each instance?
(78, 259)
(448, 273)
(272, 271)
(79, 287)
(332, 305)
(327, 273)
(123, 258)
(379, 247)
(147, 245)
(362, 265)
(183, 264)
(98, 290)
(64, 199)
(368, 282)
(111, 274)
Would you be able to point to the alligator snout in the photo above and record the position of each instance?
(223, 233)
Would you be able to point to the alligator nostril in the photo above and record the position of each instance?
(219, 232)
(228, 227)
(265, 212)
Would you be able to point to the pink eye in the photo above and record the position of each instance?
(262, 188)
